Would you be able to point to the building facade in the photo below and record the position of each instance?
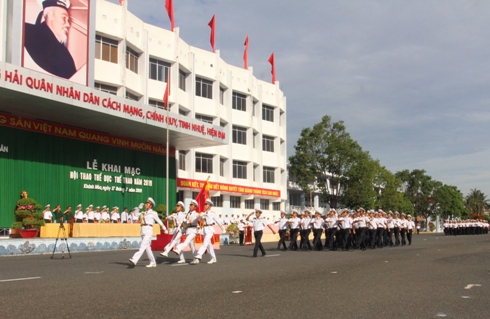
(222, 124)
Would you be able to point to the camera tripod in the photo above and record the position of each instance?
(62, 227)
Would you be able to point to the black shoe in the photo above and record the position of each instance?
(263, 255)
(254, 256)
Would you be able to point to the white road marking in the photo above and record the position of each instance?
(465, 297)
(93, 272)
(334, 272)
(472, 285)
(275, 255)
(440, 314)
(177, 265)
(18, 279)
(236, 292)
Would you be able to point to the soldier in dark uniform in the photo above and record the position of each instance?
(46, 41)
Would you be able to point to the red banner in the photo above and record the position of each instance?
(229, 188)
(28, 124)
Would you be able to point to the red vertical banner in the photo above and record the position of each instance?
(245, 54)
(169, 6)
(166, 94)
(273, 71)
(202, 196)
(121, 2)
(212, 25)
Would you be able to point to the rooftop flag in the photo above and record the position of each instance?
(245, 55)
(271, 61)
(169, 5)
(212, 25)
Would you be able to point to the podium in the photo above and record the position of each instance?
(248, 236)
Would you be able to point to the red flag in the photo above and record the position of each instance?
(169, 5)
(245, 55)
(271, 61)
(121, 2)
(213, 30)
(202, 196)
(166, 94)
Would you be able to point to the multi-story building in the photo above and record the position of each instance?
(222, 123)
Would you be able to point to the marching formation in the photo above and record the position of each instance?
(466, 227)
(350, 230)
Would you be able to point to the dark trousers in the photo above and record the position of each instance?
(402, 232)
(79, 221)
(409, 236)
(90, 221)
(282, 235)
(379, 237)
(372, 237)
(396, 231)
(344, 238)
(305, 240)
(258, 244)
(241, 235)
(330, 238)
(361, 237)
(47, 221)
(317, 239)
(293, 236)
(390, 236)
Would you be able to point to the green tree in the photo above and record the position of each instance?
(326, 157)
(418, 189)
(448, 202)
(476, 202)
(388, 195)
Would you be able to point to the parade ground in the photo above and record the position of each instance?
(437, 276)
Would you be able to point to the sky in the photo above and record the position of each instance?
(410, 79)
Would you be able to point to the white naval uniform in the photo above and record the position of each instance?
(150, 217)
(209, 219)
(190, 232)
(179, 218)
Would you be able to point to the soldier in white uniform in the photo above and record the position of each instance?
(191, 225)
(79, 214)
(124, 216)
(258, 225)
(149, 218)
(178, 217)
(294, 229)
(97, 214)
(410, 229)
(317, 224)
(104, 216)
(282, 223)
(48, 216)
(305, 226)
(115, 217)
(209, 219)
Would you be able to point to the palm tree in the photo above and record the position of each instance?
(476, 202)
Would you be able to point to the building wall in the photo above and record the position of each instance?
(114, 22)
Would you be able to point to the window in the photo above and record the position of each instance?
(255, 138)
(235, 201)
(204, 88)
(182, 77)
(268, 174)
(204, 118)
(267, 143)
(194, 194)
(264, 204)
(239, 169)
(105, 88)
(106, 49)
(239, 135)
(222, 162)
(239, 102)
(267, 113)
(222, 96)
(222, 124)
(204, 163)
(132, 97)
(217, 201)
(182, 156)
(156, 103)
(295, 199)
(132, 60)
(159, 70)
(276, 206)
(249, 204)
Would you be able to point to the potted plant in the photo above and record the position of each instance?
(27, 213)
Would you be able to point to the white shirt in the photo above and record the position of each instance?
(294, 222)
(331, 222)
(317, 223)
(259, 223)
(124, 216)
(282, 222)
(48, 214)
(104, 216)
(305, 223)
(78, 214)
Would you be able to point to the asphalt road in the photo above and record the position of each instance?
(430, 279)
